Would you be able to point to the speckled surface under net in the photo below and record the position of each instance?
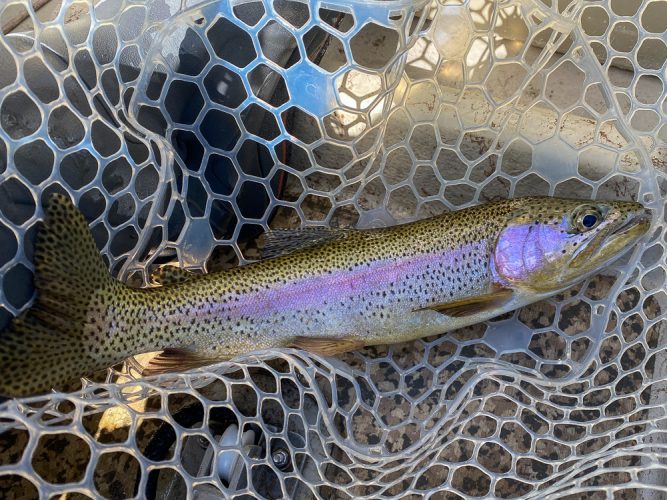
(155, 117)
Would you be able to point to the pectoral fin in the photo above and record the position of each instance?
(327, 346)
(175, 360)
(473, 305)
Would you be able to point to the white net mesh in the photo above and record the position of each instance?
(184, 131)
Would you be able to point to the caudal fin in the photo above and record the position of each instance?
(45, 346)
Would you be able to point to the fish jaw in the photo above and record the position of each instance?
(613, 243)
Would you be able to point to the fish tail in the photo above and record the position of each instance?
(45, 346)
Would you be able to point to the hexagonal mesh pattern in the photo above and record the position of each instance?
(183, 131)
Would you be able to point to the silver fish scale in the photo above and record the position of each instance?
(152, 116)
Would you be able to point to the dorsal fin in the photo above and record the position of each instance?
(284, 241)
(170, 274)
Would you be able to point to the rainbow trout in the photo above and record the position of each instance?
(338, 290)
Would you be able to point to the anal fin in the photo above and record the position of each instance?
(328, 346)
(474, 305)
(175, 360)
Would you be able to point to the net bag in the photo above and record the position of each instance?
(184, 130)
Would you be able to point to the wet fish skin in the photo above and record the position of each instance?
(356, 288)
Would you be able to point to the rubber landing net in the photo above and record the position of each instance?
(184, 130)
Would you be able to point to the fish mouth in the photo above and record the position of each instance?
(637, 225)
(605, 246)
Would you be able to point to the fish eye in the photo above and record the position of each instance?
(587, 218)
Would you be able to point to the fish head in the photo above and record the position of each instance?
(549, 244)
